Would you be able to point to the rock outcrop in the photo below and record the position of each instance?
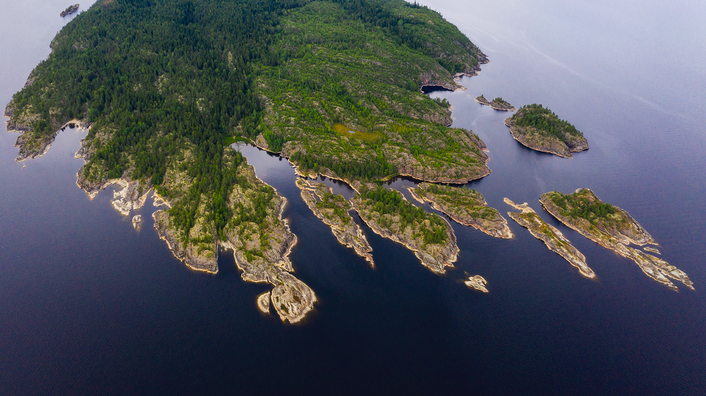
(70, 10)
(477, 282)
(189, 253)
(262, 250)
(539, 129)
(496, 104)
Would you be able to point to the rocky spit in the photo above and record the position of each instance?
(553, 238)
(263, 302)
(618, 239)
(70, 10)
(496, 105)
(291, 298)
(345, 229)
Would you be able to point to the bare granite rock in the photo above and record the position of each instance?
(477, 282)
(262, 250)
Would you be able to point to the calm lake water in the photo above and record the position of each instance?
(90, 305)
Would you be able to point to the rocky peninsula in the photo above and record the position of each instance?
(69, 10)
(553, 238)
(538, 128)
(497, 104)
(32, 145)
(477, 282)
(389, 215)
(463, 205)
(261, 244)
(333, 209)
(614, 229)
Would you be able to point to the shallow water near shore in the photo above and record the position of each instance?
(90, 305)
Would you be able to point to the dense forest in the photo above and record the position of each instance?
(156, 78)
(578, 205)
(394, 210)
(544, 121)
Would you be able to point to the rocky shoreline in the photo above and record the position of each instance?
(462, 212)
(427, 80)
(496, 105)
(553, 238)
(435, 257)
(291, 298)
(344, 228)
(531, 138)
(187, 253)
(30, 146)
(618, 239)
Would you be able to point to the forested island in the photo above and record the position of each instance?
(165, 86)
(497, 104)
(614, 229)
(69, 10)
(538, 128)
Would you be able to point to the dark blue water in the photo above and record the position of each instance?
(90, 305)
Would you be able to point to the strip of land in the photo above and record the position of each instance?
(389, 215)
(553, 238)
(463, 205)
(497, 104)
(333, 209)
